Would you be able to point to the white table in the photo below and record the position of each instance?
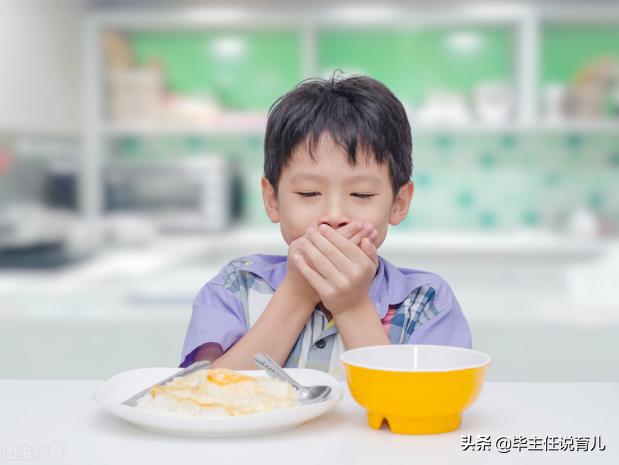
(58, 418)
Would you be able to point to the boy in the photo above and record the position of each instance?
(337, 170)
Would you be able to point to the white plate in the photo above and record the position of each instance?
(113, 392)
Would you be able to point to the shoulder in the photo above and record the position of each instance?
(246, 270)
(422, 284)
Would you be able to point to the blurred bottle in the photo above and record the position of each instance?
(553, 101)
(493, 102)
(583, 223)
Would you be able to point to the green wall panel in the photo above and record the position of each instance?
(243, 69)
(568, 48)
(412, 63)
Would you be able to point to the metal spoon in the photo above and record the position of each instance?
(305, 394)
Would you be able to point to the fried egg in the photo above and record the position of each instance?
(218, 392)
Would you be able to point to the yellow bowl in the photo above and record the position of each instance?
(418, 389)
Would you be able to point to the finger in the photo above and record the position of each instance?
(348, 248)
(350, 229)
(366, 231)
(294, 246)
(370, 249)
(315, 258)
(372, 237)
(331, 253)
(363, 231)
(313, 278)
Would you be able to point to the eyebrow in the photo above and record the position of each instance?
(317, 177)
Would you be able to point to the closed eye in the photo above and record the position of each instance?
(307, 194)
(358, 195)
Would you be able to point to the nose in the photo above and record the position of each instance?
(335, 214)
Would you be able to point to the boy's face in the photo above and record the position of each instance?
(332, 191)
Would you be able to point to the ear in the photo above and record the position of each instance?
(271, 206)
(401, 203)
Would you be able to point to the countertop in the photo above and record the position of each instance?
(60, 419)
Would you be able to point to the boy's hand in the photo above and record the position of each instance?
(339, 270)
(354, 232)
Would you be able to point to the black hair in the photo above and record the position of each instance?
(357, 111)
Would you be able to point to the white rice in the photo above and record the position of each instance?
(182, 396)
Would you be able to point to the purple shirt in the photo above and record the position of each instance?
(414, 306)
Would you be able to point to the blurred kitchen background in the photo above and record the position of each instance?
(131, 140)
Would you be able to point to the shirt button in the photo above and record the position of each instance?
(321, 343)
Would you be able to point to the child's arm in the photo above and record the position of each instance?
(275, 332)
(278, 327)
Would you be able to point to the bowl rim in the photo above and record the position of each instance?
(343, 356)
